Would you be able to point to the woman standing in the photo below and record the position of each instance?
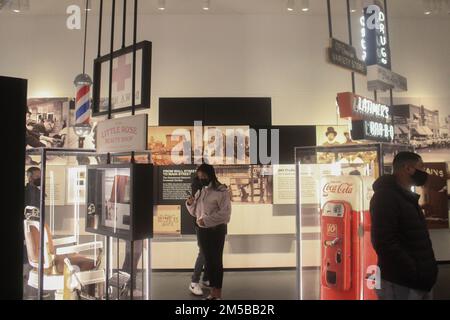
(211, 206)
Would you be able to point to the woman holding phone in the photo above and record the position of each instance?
(211, 206)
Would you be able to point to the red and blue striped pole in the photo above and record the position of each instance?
(82, 110)
(82, 107)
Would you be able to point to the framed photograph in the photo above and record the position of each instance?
(248, 184)
(227, 145)
(122, 80)
(47, 123)
(171, 145)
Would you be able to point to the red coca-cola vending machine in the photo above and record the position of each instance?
(348, 260)
(335, 257)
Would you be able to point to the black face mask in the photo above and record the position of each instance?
(37, 182)
(204, 182)
(419, 178)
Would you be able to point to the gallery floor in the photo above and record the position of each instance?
(256, 285)
(261, 285)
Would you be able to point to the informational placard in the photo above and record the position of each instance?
(248, 184)
(174, 183)
(284, 184)
(434, 195)
(55, 188)
(167, 220)
(344, 55)
(308, 187)
(382, 79)
(122, 134)
(76, 186)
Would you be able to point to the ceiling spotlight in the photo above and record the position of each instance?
(353, 6)
(162, 5)
(17, 6)
(88, 5)
(437, 6)
(427, 7)
(290, 5)
(305, 5)
(206, 5)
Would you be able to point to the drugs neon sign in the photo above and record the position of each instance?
(374, 39)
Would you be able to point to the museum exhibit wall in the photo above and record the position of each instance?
(278, 56)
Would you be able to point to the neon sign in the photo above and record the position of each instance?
(357, 107)
(379, 130)
(372, 130)
(370, 108)
(374, 41)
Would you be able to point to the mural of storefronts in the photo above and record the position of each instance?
(416, 125)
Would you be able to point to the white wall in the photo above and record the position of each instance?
(281, 56)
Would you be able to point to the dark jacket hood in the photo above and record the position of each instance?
(385, 182)
(388, 182)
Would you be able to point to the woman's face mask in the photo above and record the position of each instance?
(205, 182)
(204, 179)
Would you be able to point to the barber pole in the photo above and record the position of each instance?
(82, 112)
(82, 126)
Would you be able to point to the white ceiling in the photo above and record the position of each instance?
(397, 8)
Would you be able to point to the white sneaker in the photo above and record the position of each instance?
(205, 284)
(195, 289)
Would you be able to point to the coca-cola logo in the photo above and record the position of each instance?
(337, 187)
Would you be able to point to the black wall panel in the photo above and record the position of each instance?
(215, 111)
(14, 103)
(238, 111)
(180, 111)
(289, 138)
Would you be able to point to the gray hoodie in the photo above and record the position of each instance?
(211, 205)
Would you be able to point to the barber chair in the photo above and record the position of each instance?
(67, 272)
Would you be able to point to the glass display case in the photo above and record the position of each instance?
(335, 257)
(65, 261)
(120, 200)
(61, 261)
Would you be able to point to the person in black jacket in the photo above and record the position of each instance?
(399, 233)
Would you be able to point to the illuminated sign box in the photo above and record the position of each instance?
(374, 36)
(372, 130)
(360, 108)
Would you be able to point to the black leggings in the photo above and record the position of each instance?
(212, 241)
